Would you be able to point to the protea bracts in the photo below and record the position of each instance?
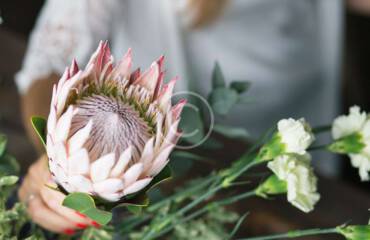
(110, 130)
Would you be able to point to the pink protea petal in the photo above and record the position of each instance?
(172, 134)
(111, 197)
(132, 174)
(159, 132)
(137, 186)
(149, 79)
(100, 169)
(177, 109)
(122, 163)
(63, 125)
(64, 92)
(161, 160)
(52, 120)
(79, 162)
(110, 185)
(135, 75)
(62, 80)
(158, 86)
(80, 183)
(164, 97)
(60, 175)
(123, 68)
(74, 68)
(60, 152)
(148, 152)
(80, 137)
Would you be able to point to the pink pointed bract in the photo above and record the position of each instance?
(110, 129)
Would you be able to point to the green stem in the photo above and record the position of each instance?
(205, 209)
(318, 147)
(321, 129)
(295, 234)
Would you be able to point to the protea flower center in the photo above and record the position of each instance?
(110, 130)
(116, 125)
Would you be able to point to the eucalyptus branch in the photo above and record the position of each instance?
(295, 234)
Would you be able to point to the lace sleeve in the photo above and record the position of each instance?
(65, 29)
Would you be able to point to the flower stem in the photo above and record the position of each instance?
(318, 147)
(321, 129)
(295, 234)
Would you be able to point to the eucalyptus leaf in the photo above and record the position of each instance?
(100, 216)
(39, 125)
(79, 201)
(240, 86)
(3, 142)
(8, 165)
(223, 99)
(212, 144)
(231, 132)
(191, 124)
(218, 79)
(8, 181)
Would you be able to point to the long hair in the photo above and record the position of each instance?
(204, 12)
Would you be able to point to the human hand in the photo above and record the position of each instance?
(44, 205)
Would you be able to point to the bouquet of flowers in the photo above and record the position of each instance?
(112, 131)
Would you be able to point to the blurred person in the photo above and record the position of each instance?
(288, 49)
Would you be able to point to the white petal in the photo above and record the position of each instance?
(112, 197)
(60, 152)
(137, 186)
(172, 133)
(100, 169)
(80, 137)
(52, 119)
(63, 125)
(132, 174)
(111, 185)
(123, 160)
(80, 183)
(79, 162)
(148, 152)
(161, 160)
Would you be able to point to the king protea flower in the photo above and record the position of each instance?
(110, 130)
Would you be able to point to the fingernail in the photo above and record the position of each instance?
(80, 214)
(95, 224)
(69, 231)
(81, 225)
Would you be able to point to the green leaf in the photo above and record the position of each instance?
(223, 99)
(8, 165)
(191, 124)
(8, 181)
(218, 79)
(231, 132)
(135, 209)
(79, 201)
(240, 86)
(100, 216)
(85, 204)
(212, 144)
(3, 142)
(271, 186)
(164, 175)
(39, 124)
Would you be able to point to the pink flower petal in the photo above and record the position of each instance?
(177, 109)
(81, 183)
(63, 125)
(74, 68)
(79, 138)
(147, 154)
(124, 66)
(160, 160)
(100, 169)
(79, 162)
(137, 186)
(110, 185)
(149, 79)
(52, 120)
(166, 94)
(112, 197)
(132, 174)
(122, 163)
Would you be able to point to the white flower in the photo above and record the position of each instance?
(296, 135)
(356, 122)
(348, 124)
(301, 181)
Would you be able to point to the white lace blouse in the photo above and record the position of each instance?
(288, 49)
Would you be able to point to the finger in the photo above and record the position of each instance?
(54, 200)
(47, 218)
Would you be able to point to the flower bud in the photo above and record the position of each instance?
(356, 232)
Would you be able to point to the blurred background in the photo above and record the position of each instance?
(17, 20)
